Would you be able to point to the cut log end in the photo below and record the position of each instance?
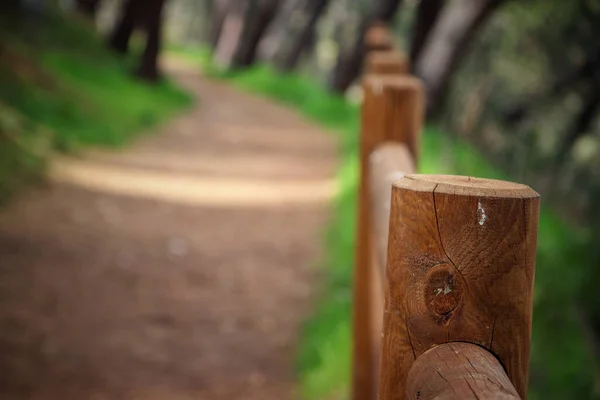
(467, 186)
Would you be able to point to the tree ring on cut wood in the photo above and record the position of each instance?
(443, 291)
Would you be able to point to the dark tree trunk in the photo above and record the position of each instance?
(448, 42)
(281, 30)
(290, 53)
(152, 22)
(348, 65)
(231, 32)
(427, 15)
(88, 8)
(217, 19)
(119, 40)
(259, 16)
(10, 5)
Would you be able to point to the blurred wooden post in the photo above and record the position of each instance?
(378, 38)
(392, 111)
(386, 63)
(460, 268)
(458, 371)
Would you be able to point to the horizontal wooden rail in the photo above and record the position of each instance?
(458, 371)
(388, 163)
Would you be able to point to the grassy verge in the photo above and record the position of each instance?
(561, 365)
(57, 75)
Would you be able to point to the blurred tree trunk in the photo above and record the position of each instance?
(349, 63)
(230, 32)
(88, 8)
(279, 31)
(217, 19)
(10, 5)
(448, 42)
(244, 26)
(427, 15)
(152, 23)
(119, 40)
(289, 53)
(259, 16)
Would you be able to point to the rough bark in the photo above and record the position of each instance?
(290, 53)
(259, 16)
(119, 40)
(427, 15)
(88, 8)
(348, 65)
(448, 42)
(152, 22)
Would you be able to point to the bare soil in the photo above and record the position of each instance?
(179, 268)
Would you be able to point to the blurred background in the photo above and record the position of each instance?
(513, 92)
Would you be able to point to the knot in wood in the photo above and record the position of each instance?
(443, 289)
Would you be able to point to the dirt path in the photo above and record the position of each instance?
(176, 269)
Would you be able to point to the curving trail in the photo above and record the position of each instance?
(179, 268)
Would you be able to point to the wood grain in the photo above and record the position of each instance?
(392, 111)
(461, 261)
(458, 371)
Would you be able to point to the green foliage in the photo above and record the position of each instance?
(56, 74)
(92, 97)
(561, 364)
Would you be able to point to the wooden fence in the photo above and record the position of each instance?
(443, 285)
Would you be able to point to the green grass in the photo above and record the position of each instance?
(57, 75)
(61, 76)
(561, 364)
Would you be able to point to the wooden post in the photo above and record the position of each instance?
(392, 111)
(378, 38)
(386, 63)
(461, 260)
(458, 371)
